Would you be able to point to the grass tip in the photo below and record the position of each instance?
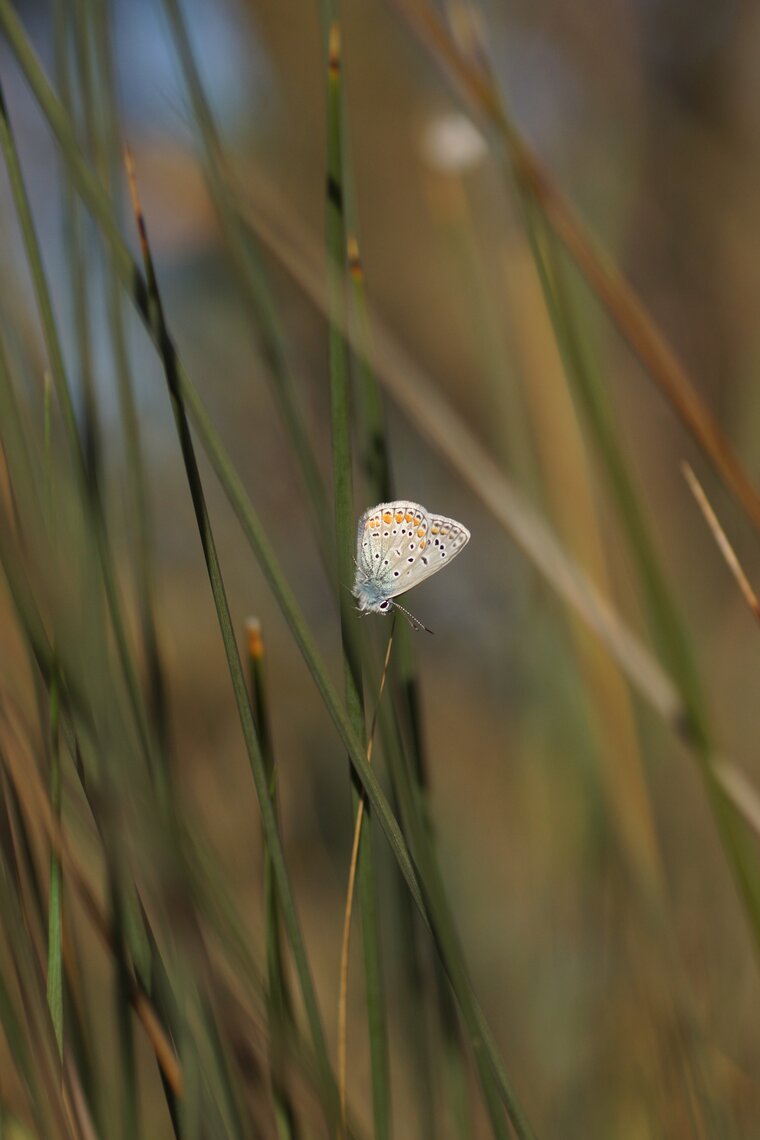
(255, 638)
(333, 50)
(355, 267)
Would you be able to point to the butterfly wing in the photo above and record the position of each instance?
(384, 532)
(399, 545)
(436, 542)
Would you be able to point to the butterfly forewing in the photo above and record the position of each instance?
(382, 532)
(399, 545)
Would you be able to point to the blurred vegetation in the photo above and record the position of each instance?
(262, 267)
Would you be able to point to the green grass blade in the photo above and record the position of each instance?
(498, 1092)
(127, 1067)
(279, 1001)
(55, 955)
(345, 529)
(373, 447)
(110, 158)
(75, 224)
(39, 281)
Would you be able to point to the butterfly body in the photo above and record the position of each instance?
(398, 545)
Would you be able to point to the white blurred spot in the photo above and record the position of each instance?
(453, 142)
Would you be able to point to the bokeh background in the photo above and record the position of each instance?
(599, 918)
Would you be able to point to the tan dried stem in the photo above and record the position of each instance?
(721, 539)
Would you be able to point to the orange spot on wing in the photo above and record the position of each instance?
(399, 516)
(388, 516)
(422, 544)
(420, 532)
(434, 530)
(408, 516)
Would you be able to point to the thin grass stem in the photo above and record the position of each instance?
(55, 932)
(76, 221)
(721, 541)
(340, 418)
(345, 944)
(55, 913)
(279, 1000)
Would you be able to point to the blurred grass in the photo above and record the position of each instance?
(146, 987)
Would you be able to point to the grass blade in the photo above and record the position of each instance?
(349, 904)
(722, 542)
(345, 528)
(279, 1001)
(75, 223)
(55, 958)
(109, 153)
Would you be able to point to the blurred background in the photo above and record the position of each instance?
(579, 841)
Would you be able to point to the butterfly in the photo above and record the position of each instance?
(398, 545)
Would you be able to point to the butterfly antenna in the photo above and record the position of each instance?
(414, 622)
